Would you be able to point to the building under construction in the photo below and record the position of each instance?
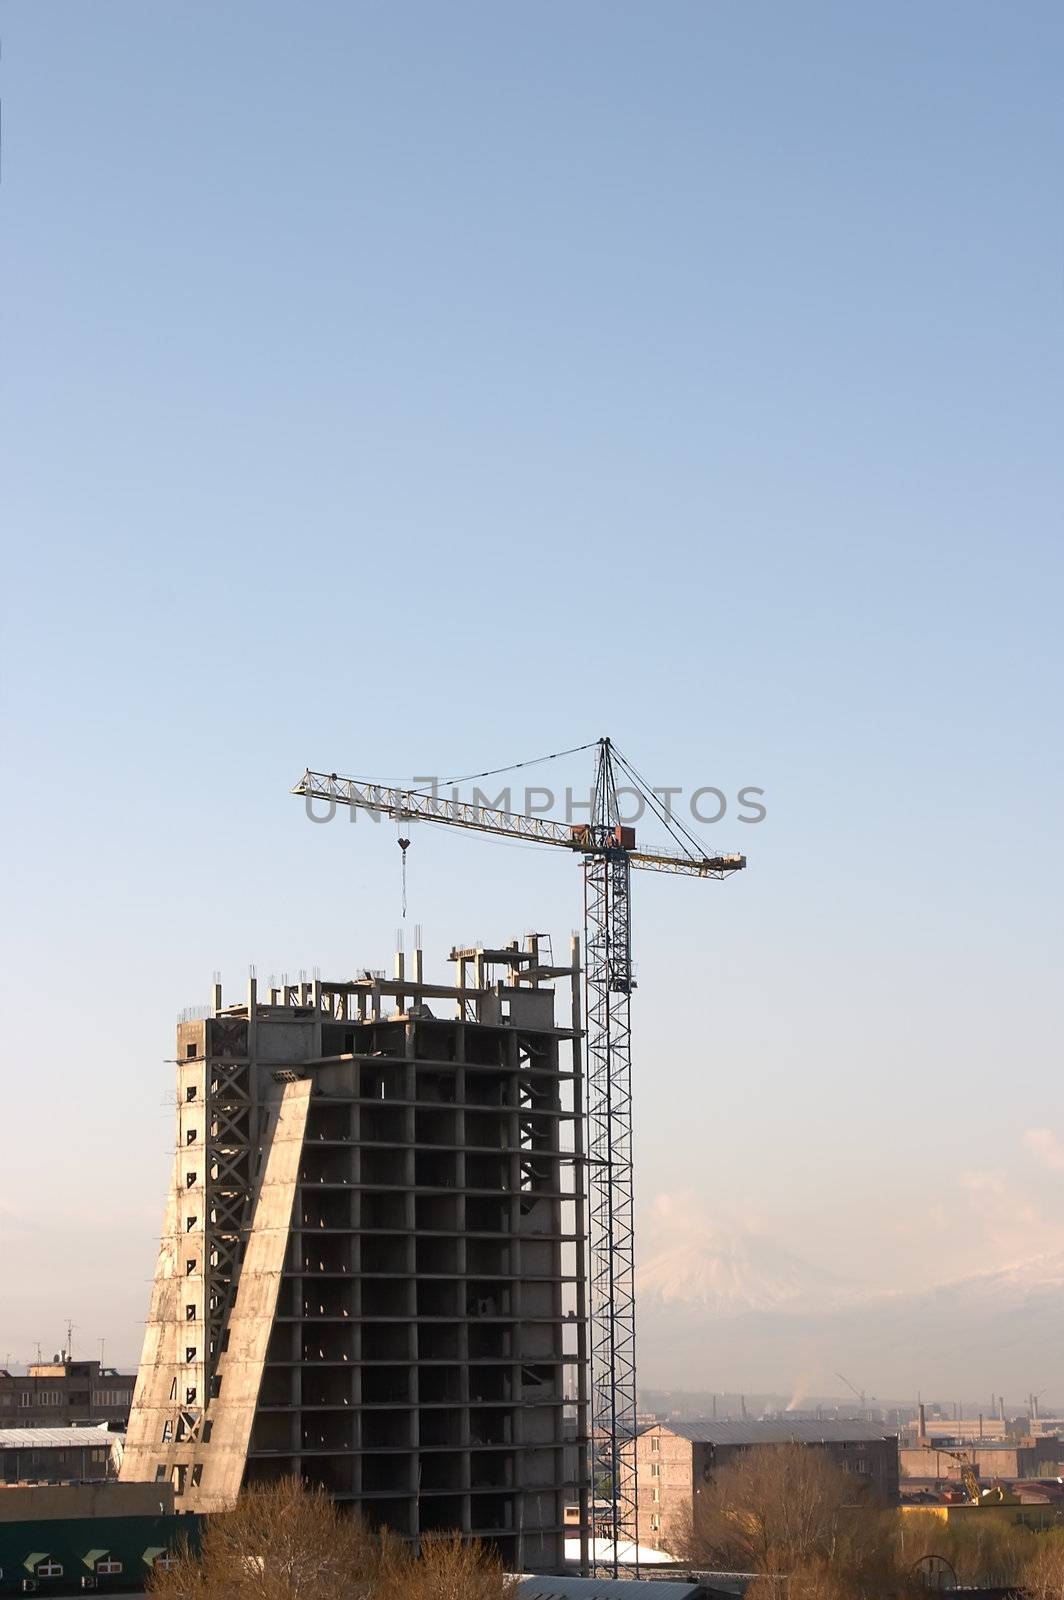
(372, 1263)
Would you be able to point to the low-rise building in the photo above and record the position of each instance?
(58, 1455)
(1001, 1504)
(54, 1394)
(108, 1537)
(674, 1461)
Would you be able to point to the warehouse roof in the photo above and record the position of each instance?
(55, 1438)
(783, 1431)
(602, 1589)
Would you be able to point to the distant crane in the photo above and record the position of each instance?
(995, 1495)
(608, 850)
(853, 1388)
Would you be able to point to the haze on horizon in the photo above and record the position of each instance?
(408, 391)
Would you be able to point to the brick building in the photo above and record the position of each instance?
(675, 1460)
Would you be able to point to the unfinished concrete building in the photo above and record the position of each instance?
(371, 1270)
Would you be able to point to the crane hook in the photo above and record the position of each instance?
(404, 845)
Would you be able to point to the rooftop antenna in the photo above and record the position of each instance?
(70, 1340)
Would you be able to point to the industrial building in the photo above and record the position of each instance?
(948, 1431)
(939, 1451)
(58, 1455)
(1024, 1458)
(675, 1460)
(107, 1537)
(62, 1391)
(372, 1267)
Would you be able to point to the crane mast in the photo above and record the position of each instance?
(608, 985)
(609, 853)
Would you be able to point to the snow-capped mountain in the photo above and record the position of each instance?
(743, 1313)
(725, 1275)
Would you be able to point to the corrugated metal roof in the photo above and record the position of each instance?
(603, 1589)
(55, 1438)
(781, 1432)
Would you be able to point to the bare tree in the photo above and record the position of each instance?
(185, 1577)
(447, 1569)
(982, 1548)
(284, 1541)
(821, 1581)
(1043, 1572)
(280, 1541)
(789, 1514)
(774, 1509)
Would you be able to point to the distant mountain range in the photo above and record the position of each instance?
(743, 1313)
(728, 1275)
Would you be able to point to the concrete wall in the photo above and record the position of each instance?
(37, 1502)
(990, 1461)
(160, 1363)
(207, 1469)
(240, 1367)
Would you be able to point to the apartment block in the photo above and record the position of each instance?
(57, 1393)
(676, 1460)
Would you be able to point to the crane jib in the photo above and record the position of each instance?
(407, 805)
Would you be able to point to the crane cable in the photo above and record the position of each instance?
(664, 815)
(662, 812)
(404, 845)
(682, 836)
(493, 772)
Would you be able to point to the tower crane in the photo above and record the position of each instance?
(859, 1393)
(608, 850)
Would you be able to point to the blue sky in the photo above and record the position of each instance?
(415, 389)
